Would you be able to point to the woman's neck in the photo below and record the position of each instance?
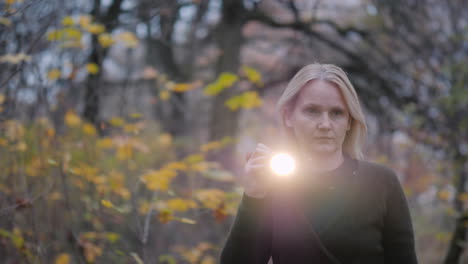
(320, 162)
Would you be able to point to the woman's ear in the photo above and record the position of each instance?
(350, 122)
(287, 118)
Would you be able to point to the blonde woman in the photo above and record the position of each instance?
(336, 207)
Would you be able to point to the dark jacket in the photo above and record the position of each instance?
(357, 213)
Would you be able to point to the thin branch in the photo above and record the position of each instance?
(31, 47)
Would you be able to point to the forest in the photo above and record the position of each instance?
(124, 124)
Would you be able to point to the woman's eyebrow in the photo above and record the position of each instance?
(312, 105)
(338, 108)
(333, 107)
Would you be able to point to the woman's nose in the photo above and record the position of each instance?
(324, 121)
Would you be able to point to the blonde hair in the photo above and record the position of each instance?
(356, 136)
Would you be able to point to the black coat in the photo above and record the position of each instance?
(356, 214)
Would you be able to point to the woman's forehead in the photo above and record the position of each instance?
(319, 92)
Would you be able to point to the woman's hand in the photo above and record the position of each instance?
(255, 180)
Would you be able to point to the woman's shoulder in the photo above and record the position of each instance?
(380, 182)
(377, 172)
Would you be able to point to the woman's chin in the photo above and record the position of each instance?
(325, 149)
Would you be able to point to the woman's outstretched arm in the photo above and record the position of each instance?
(249, 240)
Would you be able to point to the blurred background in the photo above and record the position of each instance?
(124, 123)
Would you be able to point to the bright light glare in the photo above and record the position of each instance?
(282, 164)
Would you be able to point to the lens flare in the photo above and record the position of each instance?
(282, 164)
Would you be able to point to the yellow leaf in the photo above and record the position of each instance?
(190, 255)
(91, 251)
(144, 207)
(63, 258)
(123, 192)
(165, 139)
(68, 21)
(17, 238)
(124, 152)
(14, 130)
(463, 197)
(158, 180)
(95, 28)
(136, 115)
(105, 143)
(11, 2)
(15, 58)
(90, 235)
(112, 237)
(84, 20)
(55, 196)
(194, 158)
(5, 21)
(177, 166)
(201, 166)
(250, 100)
(71, 119)
(54, 74)
(128, 39)
(211, 146)
(54, 35)
(89, 129)
(4, 189)
(131, 128)
(184, 87)
(50, 132)
(225, 80)
(234, 102)
(208, 260)
(245, 100)
(106, 40)
(71, 33)
(185, 220)
(136, 258)
(252, 75)
(210, 198)
(92, 68)
(107, 203)
(444, 195)
(164, 95)
(116, 121)
(165, 216)
(168, 259)
(21, 146)
(180, 205)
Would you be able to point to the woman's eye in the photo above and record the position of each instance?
(337, 112)
(312, 111)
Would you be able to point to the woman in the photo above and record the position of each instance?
(336, 207)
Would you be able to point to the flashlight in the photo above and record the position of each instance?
(282, 164)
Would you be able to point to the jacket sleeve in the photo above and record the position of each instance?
(249, 240)
(398, 236)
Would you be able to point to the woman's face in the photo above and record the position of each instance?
(319, 119)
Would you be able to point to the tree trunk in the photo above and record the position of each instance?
(98, 53)
(229, 37)
(224, 122)
(92, 94)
